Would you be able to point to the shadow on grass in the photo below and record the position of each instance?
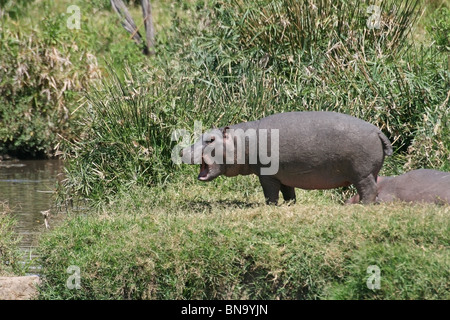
(209, 206)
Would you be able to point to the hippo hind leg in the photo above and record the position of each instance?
(288, 193)
(367, 189)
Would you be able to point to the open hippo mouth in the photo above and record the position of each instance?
(209, 171)
(204, 171)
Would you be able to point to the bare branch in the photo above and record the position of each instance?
(148, 22)
(127, 21)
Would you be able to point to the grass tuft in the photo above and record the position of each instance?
(10, 254)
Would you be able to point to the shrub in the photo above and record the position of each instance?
(44, 67)
(41, 79)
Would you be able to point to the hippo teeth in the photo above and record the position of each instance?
(203, 171)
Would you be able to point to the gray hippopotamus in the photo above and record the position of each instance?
(423, 185)
(308, 150)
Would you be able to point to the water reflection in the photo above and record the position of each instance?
(28, 187)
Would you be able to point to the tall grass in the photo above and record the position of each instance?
(287, 27)
(126, 141)
(10, 255)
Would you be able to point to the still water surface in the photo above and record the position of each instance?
(28, 187)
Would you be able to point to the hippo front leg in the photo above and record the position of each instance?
(271, 188)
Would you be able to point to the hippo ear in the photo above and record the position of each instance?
(225, 132)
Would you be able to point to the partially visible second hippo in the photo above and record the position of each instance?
(422, 185)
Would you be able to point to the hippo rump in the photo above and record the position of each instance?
(422, 185)
(308, 150)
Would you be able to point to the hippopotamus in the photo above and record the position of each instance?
(308, 150)
(422, 185)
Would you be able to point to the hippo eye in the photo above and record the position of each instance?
(211, 139)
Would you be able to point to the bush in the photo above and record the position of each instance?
(42, 75)
(44, 68)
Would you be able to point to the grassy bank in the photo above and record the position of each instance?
(209, 241)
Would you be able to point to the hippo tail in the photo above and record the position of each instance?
(387, 147)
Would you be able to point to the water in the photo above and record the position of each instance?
(28, 187)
